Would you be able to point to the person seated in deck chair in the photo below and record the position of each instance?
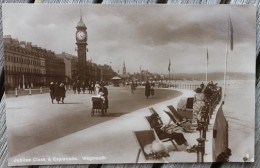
(176, 136)
(198, 103)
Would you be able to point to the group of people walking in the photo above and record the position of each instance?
(58, 92)
(149, 88)
(92, 87)
(76, 87)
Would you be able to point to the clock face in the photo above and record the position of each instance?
(80, 35)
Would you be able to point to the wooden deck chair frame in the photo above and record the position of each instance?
(152, 110)
(184, 125)
(173, 119)
(176, 114)
(144, 137)
(148, 118)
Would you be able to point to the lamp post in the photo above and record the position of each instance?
(23, 82)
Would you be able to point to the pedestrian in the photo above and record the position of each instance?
(52, 91)
(147, 89)
(152, 91)
(83, 87)
(89, 87)
(97, 86)
(92, 86)
(57, 93)
(74, 87)
(132, 87)
(104, 90)
(62, 91)
(78, 87)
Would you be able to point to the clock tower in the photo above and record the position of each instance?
(81, 42)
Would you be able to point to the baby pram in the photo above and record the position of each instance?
(98, 105)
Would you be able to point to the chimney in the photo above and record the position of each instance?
(29, 45)
(22, 44)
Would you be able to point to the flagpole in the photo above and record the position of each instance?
(169, 74)
(140, 74)
(169, 68)
(207, 66)
(225, 72)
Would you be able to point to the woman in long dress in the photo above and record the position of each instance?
(62, 92)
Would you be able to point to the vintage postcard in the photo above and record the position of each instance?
(103, 84)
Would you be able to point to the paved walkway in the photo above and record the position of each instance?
(111, 142)
(33, 120)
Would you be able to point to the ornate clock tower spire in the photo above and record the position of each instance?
(81, 42)
(124, 70)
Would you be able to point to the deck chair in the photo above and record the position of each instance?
(151, 109)
(176, 115)
(158, 125)
(146, 137)
(186, 126)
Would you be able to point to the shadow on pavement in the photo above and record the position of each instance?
(113, 114)
(70, 103)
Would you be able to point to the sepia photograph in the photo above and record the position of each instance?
(104, 84)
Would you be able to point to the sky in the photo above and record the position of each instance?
(142, 35)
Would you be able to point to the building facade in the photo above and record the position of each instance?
(70, 65)
(27, 65)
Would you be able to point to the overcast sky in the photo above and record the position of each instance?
(146, 35)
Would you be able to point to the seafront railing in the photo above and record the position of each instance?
(186, 85)
(220, 150)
